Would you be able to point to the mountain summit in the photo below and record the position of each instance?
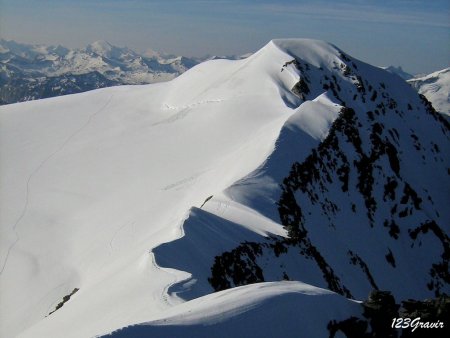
(255, 197)
(103, 48)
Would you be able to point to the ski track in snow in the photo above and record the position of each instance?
(169, 107)
(179, 184)
(38, 168)
(184, 111)
(222, 207)
(111, 242)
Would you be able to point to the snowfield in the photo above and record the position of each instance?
(257, 310)
(126, 194)
(91, 183)
(436, 87)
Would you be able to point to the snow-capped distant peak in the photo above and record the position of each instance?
(40, 71)
(100, 46)
(105, 49)
(398, 71)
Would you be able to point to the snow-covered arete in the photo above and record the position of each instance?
(129, 193)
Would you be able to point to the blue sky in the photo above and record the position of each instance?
(411, 33)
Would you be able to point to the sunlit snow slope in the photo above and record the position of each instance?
(92, 182)
(116, 203)
(436, 88)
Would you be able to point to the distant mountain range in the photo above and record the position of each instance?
(29, 72)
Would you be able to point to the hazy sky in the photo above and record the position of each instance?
(411, 33)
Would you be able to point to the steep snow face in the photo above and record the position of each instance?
(436, 88)
(363, 200)
(91, 183)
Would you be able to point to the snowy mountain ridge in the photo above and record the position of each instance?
(300, 168)
(357, 94)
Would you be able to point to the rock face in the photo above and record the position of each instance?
(31, 72)
(358, 170)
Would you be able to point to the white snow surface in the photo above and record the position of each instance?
(436, 88)
(249, 311)
(91, 183)
(128, 193)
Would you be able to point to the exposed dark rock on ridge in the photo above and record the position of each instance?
(364, 158)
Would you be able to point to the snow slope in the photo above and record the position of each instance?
(106, 176)
(119, 201)
(257, 310)
(436, 88)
